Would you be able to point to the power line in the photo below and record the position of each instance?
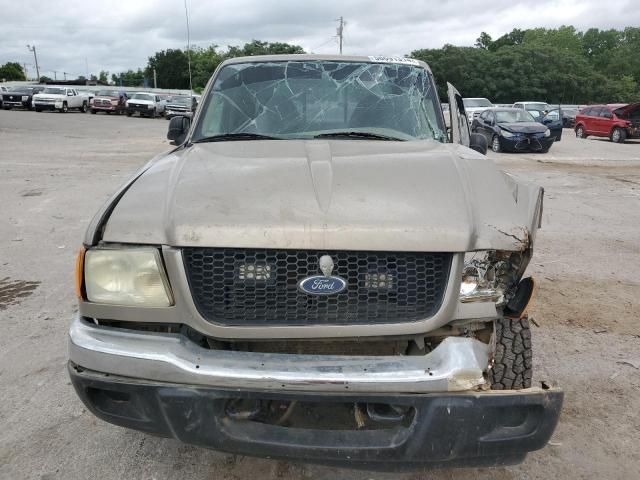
(332, 39)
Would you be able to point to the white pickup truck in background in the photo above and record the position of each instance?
(61, 99)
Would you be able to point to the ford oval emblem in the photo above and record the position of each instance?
(322, 285)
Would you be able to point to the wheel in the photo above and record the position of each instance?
(83, 108)
(618, 135)
(580, 133)
(65, 107)
(545, 150)
(93, 112)
(108, 112)
(154, 113)
(512, 360)
(495, 144)
(129, 114)
(38, 109)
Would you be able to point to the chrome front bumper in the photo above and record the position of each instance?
(457, 364)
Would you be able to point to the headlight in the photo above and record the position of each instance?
(149, 107)
(128, 276)
(25, 98)
(487, 275)
(547, 133)
(506, 134)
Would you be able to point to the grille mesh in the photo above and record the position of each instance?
(413, 286)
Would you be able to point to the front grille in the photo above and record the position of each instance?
(382, 287)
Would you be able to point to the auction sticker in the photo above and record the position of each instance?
(403, 60)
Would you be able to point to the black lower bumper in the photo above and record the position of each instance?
(144, 112)
(526, 144)
(468, 429)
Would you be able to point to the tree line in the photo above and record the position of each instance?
(561, 65)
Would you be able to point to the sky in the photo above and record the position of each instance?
(80, 37)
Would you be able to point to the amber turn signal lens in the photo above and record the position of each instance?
(79, 272)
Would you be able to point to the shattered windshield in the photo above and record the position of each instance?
(304, 99)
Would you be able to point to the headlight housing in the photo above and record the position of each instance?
(507, 134)
(547, 133)
(126, 276)
(489, 275)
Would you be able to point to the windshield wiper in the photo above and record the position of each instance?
(236, 136)
(375, 136)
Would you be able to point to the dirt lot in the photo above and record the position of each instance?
(55, 170)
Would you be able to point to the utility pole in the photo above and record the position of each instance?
(55, 75)
(65, 76)
(35, 56)
(26, 75)
(155, 79)
(340, 31)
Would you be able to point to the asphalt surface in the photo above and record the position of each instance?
(57, 169)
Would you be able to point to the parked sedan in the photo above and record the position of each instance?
(512, 129)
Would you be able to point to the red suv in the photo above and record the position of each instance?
(618, 121)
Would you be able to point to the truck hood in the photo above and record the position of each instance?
(319, 194)
(140, 101)
(49, 96)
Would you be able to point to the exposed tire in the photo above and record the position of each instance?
(38, 109)
(93, 112)
(512, 367)
(618, 135)
(154, 114)
(495, 144)
(129, 114)
(65, 107)
(83, 108)
(580, 133)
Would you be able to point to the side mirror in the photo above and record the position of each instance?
(69, 94)
(478, 142)
(178, 129)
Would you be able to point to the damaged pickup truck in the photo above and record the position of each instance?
(318, 272)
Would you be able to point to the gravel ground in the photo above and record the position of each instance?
(55, 171)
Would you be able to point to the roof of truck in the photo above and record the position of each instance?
(330, 58)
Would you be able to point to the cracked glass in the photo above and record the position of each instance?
(304, 99)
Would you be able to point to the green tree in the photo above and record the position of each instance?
(257, 47)
(12, 71)
(171, 67)
(129, 78)
(103, 77)
(484, 41)
(514, 37)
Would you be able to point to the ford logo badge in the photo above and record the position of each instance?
(322, 285)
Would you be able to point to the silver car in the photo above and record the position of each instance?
(317, 272)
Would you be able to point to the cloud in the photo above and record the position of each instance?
(73, 35)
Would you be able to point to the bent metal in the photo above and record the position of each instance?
(208, 320)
